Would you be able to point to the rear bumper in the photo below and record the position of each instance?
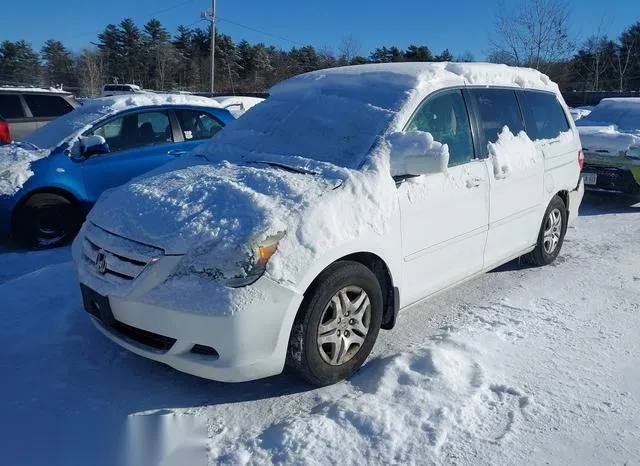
(575, 198)
(612, 179)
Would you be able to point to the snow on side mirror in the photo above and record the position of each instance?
(416, 153)
(93, 145)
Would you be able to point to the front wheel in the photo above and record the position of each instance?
(551, 235)
(337, 324)
(46, 220)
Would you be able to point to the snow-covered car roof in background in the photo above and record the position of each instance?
(80, 119)
(39, 90)
(237, 105)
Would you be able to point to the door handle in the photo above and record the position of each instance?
(176, 152)
(474, 182)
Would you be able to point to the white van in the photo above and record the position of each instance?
(305, 226)
(109, 90)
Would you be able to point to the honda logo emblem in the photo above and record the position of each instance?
(101, 263)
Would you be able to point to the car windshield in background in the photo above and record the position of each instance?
(623, 112)
(52, 134)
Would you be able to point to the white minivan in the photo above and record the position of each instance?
(303, 228)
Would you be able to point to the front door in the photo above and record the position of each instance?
(138, 142)
(444, 215)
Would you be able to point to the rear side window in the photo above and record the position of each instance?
(445, 117)
(496, 108)
(10, 106)
(543, 115)
(197, 124)
(44, 106)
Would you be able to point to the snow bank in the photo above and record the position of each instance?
(511, 153)
(15, 167)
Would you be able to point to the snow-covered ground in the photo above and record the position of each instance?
(521, 365)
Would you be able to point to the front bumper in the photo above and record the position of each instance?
(232, 335)
(608, 178)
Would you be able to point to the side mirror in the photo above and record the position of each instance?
(93, 145)
(416, 153)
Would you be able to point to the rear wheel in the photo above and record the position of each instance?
(47, 220)
(551, 235)
(337, 324)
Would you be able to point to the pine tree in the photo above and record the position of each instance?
(19, 63)
(58, 64)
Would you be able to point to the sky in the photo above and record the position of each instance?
(462, 25)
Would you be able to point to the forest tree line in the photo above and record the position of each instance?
(153, 58)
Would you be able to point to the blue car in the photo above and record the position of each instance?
(50, 180)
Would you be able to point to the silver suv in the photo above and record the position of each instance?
(27, 109)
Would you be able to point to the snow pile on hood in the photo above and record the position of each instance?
(15, 167)
(511, 153)
(607, 140)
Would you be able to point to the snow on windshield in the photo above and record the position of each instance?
(624, 113)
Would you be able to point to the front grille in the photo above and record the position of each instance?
(613, 178)
(123, 259)
(143, 337)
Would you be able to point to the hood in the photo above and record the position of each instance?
(15, 166)
(608, 140)
(217, 208)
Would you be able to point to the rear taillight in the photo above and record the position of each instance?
(580, 159)
(5, 137)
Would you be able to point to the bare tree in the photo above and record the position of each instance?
(92, 63)
(624, 53)
(465, 57)
(534, 34)
(350, 48)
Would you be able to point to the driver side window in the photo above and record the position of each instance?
(445, 117)
(135, 130)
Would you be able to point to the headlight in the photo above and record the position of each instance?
(256, 262)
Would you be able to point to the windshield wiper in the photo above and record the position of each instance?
(28, 144)
(284, 166)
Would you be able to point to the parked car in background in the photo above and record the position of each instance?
(50, 180)
(237, 104)
(350, 193)
(610, 137)
(5, 133)
(109, 90)
(26, 109)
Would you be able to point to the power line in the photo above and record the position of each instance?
(259, 31)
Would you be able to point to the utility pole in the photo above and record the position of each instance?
(211, 15)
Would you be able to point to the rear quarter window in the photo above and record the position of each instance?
(47, 106)
(10, 106)
(543, 115)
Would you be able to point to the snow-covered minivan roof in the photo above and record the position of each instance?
(336, 115)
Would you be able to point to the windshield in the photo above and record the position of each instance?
(336, 120)
(52, 134)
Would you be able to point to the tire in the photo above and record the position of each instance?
(551, 235)
(327, 345)
(46, 220)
